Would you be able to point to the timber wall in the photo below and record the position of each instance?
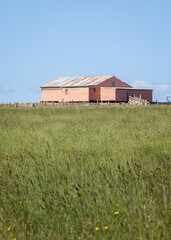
(65, 94)
(108, 94)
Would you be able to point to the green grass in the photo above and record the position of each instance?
(112, 159)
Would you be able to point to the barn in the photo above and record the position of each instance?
(90, 89)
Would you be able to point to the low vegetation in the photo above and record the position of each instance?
(85, 173)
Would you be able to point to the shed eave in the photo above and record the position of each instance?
(66, 87)
(134, 88)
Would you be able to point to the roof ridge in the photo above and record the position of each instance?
(77, 81)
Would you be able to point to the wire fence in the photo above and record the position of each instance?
(133, 101)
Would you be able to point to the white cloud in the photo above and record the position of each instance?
(5, 89)
(140, 84)
(161, 90)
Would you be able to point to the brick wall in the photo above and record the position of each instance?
(117, 83)
(94, 93)
(122, 95)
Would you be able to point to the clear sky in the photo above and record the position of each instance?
(44, 39)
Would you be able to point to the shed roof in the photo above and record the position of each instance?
(76, 81)
(120, 88)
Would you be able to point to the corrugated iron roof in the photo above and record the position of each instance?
(76, 81)
(130, 88)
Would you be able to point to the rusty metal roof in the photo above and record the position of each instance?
(76, 81)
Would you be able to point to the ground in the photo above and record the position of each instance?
(85, 172)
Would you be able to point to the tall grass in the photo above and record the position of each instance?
(69, 173)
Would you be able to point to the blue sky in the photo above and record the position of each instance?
(43, 39)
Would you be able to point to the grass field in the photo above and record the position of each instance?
(85, 173)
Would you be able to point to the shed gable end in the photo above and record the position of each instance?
(114, 82)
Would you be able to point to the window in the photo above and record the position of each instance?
(113, 84)
(94, 89)
(66, 91)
